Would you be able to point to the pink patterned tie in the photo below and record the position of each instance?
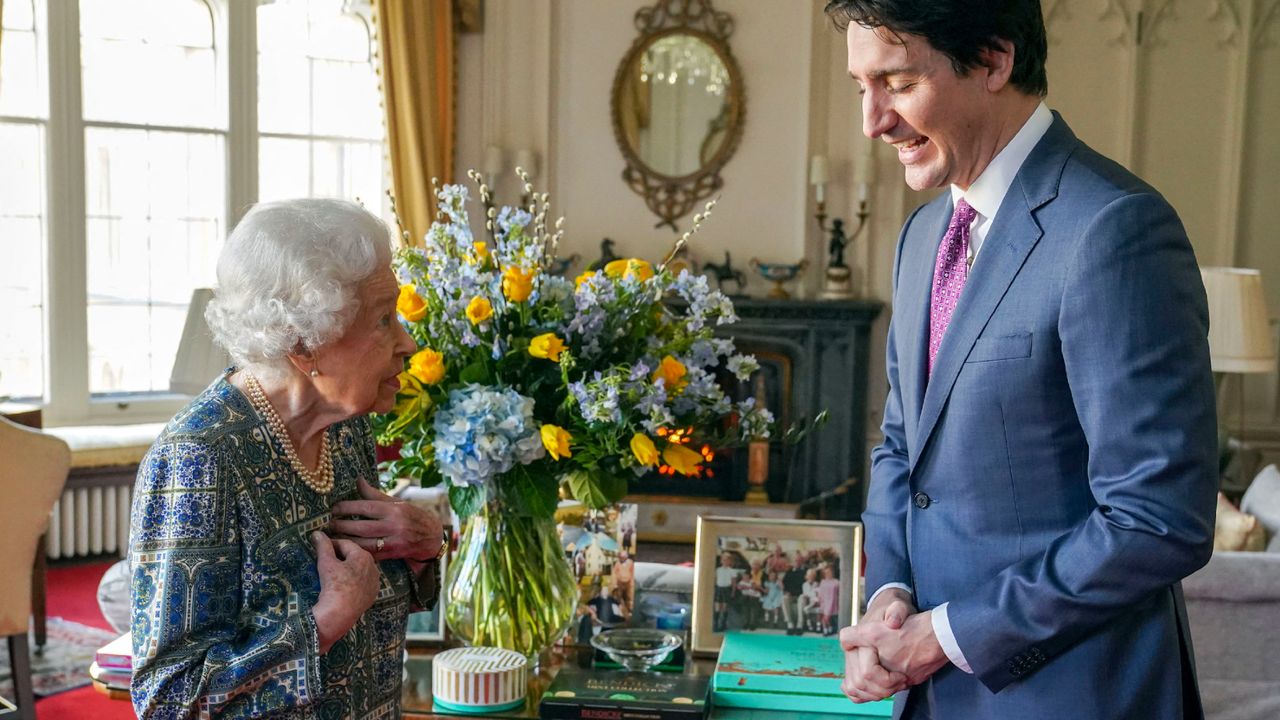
(949, 275)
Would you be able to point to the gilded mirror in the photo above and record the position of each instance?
(677, 106)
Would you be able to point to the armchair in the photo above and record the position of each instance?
(33, 469)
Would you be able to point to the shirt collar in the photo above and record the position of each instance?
(988, 191)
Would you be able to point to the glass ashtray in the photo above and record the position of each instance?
(636, 648)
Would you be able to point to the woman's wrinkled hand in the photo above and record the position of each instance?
(388, 528)
(349, 582)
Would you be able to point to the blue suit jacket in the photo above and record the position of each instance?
(1056, 477)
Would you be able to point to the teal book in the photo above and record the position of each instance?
(784, 672)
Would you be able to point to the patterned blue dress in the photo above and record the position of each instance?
(224, 577)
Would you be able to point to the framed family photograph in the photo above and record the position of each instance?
(780, 577)
(426, 628)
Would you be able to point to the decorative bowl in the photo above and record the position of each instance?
(636, 648)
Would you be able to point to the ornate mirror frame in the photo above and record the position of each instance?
(672, 197)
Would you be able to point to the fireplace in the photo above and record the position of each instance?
(813, 356)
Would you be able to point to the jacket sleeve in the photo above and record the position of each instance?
(204, 644)
(889, 494)
(1133, 326)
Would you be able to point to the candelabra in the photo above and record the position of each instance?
(838, 284)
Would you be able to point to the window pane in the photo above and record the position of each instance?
(23, 77)
(340, 37)
(136, 73)
(22, 180)
(153, 232)
(21, 361)
(22, 242)
(22, 298)
(284, 99)
(319, 106)
(19, 15)
(346, 100)
(284, 169)
(348, 170)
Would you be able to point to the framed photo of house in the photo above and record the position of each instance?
(427, 628)
(780, 577)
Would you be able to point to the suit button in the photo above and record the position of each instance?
(921, 500)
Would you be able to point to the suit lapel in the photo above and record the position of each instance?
(1008, 243)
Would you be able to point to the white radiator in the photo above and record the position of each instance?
(90, 521)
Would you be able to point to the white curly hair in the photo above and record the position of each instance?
(289, 278)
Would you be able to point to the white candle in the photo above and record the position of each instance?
(818, 170)
(863, 191)
(862, 171)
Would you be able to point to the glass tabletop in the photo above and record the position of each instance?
(416, 701)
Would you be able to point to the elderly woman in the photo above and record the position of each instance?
(269, 577)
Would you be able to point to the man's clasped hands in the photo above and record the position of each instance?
(892, 648)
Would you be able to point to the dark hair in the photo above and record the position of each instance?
(961, 30)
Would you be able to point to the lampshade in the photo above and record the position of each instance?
(1239, 334)
(199, 359)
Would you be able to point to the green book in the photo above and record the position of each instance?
(621, 695)
(785, 672)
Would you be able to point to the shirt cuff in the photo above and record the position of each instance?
(947, 639)
(886, 586)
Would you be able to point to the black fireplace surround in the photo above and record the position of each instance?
(813, 356)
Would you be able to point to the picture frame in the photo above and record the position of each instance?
(426, 628)
(738, 579)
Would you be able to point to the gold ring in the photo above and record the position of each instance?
(378, 547)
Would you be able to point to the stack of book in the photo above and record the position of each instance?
(783, 672)
(112, 666)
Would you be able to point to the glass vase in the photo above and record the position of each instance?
(509, 585)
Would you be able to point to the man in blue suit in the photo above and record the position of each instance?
(1048, 469)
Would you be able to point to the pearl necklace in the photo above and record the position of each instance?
(322, 479)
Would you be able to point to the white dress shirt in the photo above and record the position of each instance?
(985, 196)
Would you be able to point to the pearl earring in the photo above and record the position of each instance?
(315, 372)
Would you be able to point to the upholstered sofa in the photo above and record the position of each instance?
(1233, 605)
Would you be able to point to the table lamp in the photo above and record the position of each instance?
(199, 359)
(1239, 331)
(1239, 342)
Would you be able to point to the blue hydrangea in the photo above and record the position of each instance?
(482, 432)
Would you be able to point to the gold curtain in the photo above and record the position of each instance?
(416, 45)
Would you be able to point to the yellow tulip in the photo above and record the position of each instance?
(481, 250)
(682, 459)
(479, 310)
(427, 366)
(410, 305)
(642, 447)
(517, 283)
(583, 276)
(671, 371)
(629, 267)
(556, 440)
(547, 346)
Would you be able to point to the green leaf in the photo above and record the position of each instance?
(466, 500)
(537, 496)
(477, 372)
(596, 489)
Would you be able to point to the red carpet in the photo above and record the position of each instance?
(73, 595)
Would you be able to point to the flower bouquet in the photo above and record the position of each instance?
(527, 385)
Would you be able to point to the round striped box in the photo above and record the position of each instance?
(478, 679)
